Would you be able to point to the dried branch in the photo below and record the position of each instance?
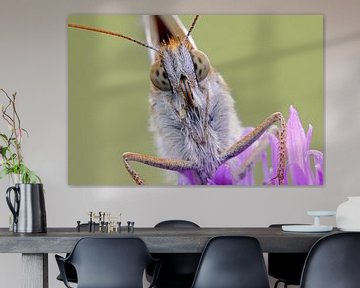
(12, 159)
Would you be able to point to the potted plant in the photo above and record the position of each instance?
(25, 197)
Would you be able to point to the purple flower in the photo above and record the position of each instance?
(270, 173)
(304, 167)
(222, 176)
(302, 170)
(239, 170)
(188, 177)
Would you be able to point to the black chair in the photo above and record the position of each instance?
(176, 224)
(232, 262)
(333, 262)
(286, 267)
(108, 262)
(69, 269)
(178, 269)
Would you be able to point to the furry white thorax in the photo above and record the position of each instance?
(199, 133)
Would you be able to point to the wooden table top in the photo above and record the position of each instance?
(158, 240)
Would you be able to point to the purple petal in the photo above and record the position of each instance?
(235, 165)
(309, 137)
(307, 167)
(298, 176)
(222, 176)
(319, 175)
(296, 147)
(249, 178)
(296, 140)
(274, 148)
(266, 170)
(286, 180)
(318, 165)
(211, 182)
(188, 177)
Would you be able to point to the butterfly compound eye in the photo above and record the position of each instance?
(201, 64)
(159, 77)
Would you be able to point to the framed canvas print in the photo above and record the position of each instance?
(195, 100)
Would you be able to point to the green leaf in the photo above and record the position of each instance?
(15, 169)
(27, 175)
(13, 156)
(33, 177)
(5, 138)
(3, 151)
(3, 173)
(26, 132)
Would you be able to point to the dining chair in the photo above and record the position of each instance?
(285, 267)
(178, 269)
(70, 271)
(333, 262)
(108, 263)
(232, 262)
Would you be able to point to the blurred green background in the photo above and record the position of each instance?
(269, 61)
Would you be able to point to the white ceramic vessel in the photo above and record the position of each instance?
(348, 215)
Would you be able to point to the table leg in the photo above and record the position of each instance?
(35, 270)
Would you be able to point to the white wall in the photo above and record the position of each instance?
(33, 62)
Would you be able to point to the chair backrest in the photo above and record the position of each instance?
(287, 267)
(176, 224)
(178, 269)
(333, 262)
(232, 262)
(110, 262)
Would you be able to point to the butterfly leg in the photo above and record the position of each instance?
(247, 163)
(163, 163)
(254, 135)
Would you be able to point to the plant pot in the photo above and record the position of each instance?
(27, 207)
(15, 179)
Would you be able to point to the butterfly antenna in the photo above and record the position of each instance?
(192, 25)
(83, 27)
